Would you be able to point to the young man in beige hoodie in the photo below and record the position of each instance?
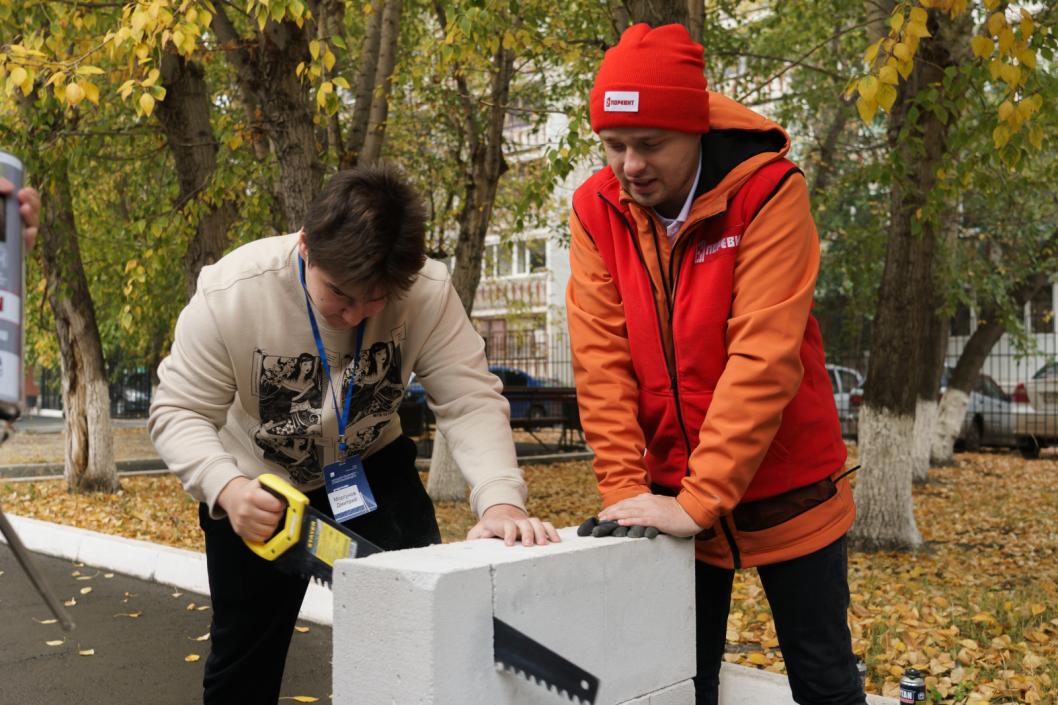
(292, 358)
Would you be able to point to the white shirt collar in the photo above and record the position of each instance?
(673, 225)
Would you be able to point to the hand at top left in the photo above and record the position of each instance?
(507, 522)
(29, 207)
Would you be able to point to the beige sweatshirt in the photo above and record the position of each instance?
(243, 392)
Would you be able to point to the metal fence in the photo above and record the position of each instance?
(130, 393)
(1013, 402)
(543, 356)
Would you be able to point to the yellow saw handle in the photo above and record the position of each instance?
(290, 532)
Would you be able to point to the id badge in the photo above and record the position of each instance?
(347, 489)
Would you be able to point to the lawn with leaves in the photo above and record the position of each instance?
(977, 611)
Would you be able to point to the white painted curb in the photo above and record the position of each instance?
(141, 559)
(740, 685)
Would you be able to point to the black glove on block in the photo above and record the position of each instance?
(594, 527)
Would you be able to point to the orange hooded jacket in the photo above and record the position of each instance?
(770, 356)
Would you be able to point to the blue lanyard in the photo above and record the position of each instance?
(342, 413)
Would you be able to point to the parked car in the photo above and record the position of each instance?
(843, 380)
(131, 395)
(990, 415)
(527, 408)
(415, 412)
(1036, 424)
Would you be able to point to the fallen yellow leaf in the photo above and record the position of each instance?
(301, 698)
(301, 629)
(133, 615)
(191, 658)
(86, 590)
(71, 602)
(55, 642)
(45, 621)
(108, 575)
(204, 637)
(87, 652)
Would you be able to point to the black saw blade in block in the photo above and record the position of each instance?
(517, 652)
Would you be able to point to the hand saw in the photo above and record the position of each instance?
(308, 542)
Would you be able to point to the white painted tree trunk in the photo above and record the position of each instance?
(885, 518)
(949, 421)
(445, 482)
(922, 442)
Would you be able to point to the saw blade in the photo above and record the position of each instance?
(522, 654)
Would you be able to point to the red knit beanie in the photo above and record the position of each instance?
(652, 78)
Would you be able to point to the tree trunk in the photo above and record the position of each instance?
(957, 396)
(365, 87)
(387, 59)
(486, 166)
(483, 168)
(825, 166)
(619, 17)
(265, 69)
(445, 482)
(926, 410)
(89, 454)
(903, 320)
(696, 19)
(185, 117)
(657, 12)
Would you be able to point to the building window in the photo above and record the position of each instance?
(504, 262)
(537, 254)
(1041, 311)
(514, 258)
(494, 331)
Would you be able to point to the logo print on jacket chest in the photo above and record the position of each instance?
(705, 249)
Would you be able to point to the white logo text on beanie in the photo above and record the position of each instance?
(621, 102)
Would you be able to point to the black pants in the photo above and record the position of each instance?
(255, 606)
(809, 599)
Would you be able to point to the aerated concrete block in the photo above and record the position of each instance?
(410, 628)
(415, 627)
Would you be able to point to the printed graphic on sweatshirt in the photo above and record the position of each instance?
(290, 390)
(379, 389)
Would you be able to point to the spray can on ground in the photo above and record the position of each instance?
(912, 687)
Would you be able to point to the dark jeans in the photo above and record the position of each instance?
(255, 606)
(809, 599)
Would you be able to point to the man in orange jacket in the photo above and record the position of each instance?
(700, 370)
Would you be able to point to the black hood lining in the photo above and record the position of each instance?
(723, 150)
